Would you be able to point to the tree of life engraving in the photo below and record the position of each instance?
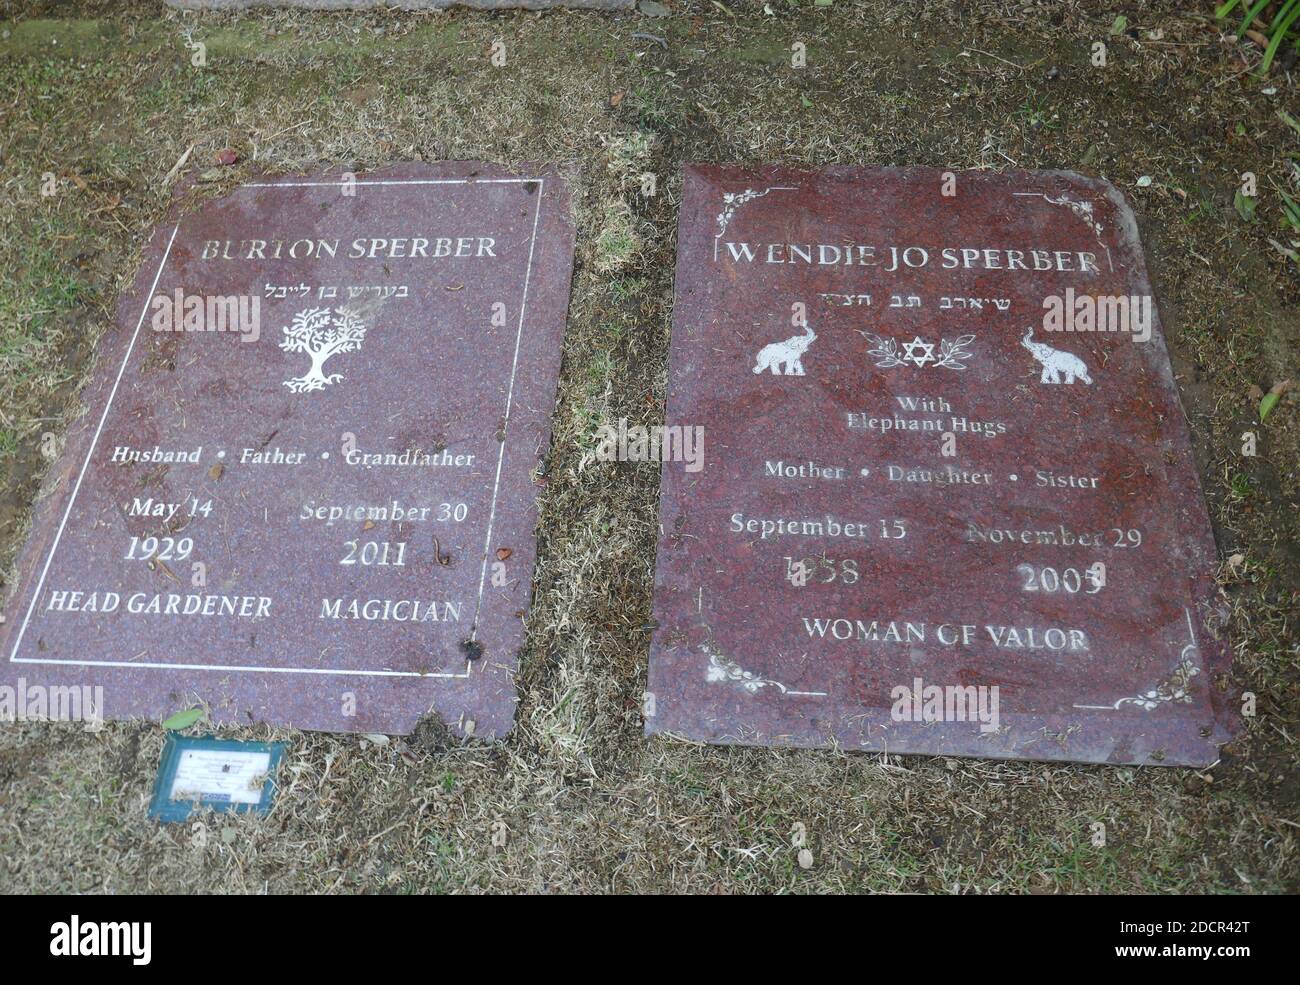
(321, 334)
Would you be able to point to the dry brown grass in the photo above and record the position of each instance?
(588, 803)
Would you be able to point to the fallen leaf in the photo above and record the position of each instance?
(227, 157)
(504, 553)
(1245, 206)
(617, 98)
(183, 719)
(216, 471)
(1271, 398)
(404, 751)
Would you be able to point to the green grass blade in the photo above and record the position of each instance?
(1250, 16)
(1276, 41)
(1281, 13)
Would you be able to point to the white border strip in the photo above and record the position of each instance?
(251, 670)
(409, 181)
(505, 427)
(49, 558)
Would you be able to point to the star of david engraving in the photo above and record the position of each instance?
(910, 350)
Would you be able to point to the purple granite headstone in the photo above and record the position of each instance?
(939, 511)
(304, 490)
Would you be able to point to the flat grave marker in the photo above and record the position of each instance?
(932, 517)
(304, 490)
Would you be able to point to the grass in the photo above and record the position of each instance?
(1037, 114)
(1274, 22)
(576, 799)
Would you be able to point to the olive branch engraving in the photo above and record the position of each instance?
(886, 352)
(950, 353)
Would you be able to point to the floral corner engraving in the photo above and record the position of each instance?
(724, 670)
(1174, 689)
(1080, 209)
(731, 204)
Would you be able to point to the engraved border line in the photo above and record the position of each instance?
(49, 558)
(505, 426)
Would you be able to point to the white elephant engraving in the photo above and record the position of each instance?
(786, 356)
(1055, 362)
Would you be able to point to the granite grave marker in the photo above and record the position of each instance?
(304, 488)
(940, 512)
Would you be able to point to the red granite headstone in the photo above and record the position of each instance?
(304, 490)
(939, 510)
